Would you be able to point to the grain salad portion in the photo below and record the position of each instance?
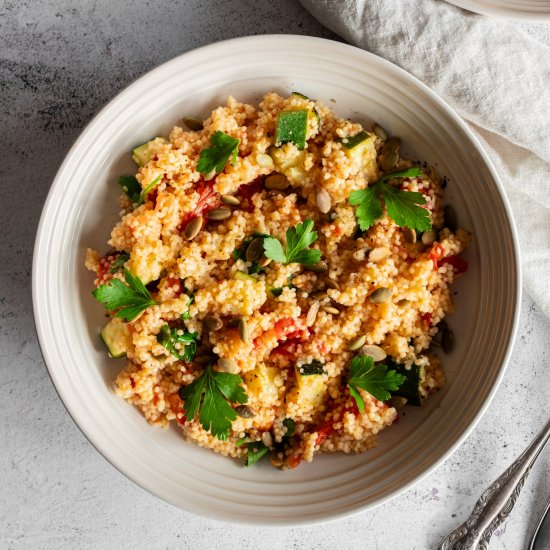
(278, 281)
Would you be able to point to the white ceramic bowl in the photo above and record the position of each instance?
(537, 11)
(82, 207)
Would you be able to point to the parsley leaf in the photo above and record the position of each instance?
(375, 379)
(298, 239)
(209, 394)
(404, 207)
(256, 451)
(130, 186)
(169, 338)
(292, 128)
(290, 426)
(117, 264)
(130, 299)
(215, 158)
(147, 190)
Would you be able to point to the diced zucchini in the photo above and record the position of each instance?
(289, 161)
(242, 276)
(143, 154)
(261, 383)
(117, 337)
(410, 389)
(311, 388)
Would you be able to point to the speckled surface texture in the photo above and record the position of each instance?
(59, 63)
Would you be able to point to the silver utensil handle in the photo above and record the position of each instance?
(496, 502)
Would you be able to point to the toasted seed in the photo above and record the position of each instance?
(193, 123)
(380, 295)
(276, 460)
(202, 359)
(244, 411)
(378, 253)
(264, 160)
(232, 200)
(255, 249)
(356, 343)
(393, 144)
(376, 352)
(212, 323)
(451, 221)
(409, 234)
(267, 439)
(330, 309)
(219, 214)
(389, 160)
(264, 261)
(447, 340)
(210, 175)
(192, 228)
(243, 330)
(404, 302)
(397, 402)
(228, 365)
(312, 313)
(379, 132)
(319, 295)
(319, 267)
(429, 237)
(323, 201)
(331, 283)
(276, 181)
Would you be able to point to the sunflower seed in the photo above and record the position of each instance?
(276, 460)
(376, 352)
(379, 132)
(243, 330)
(319, 295)
(264, 261)
(192, 228)
(378, 253)
(393, 144)
(380, 295)
(356, 343)
(267, 439)
(264, 160)
(389, 160)
(429, 237)
(193, 123)
(451, 221)
(447, 340)
(319, 267)
(331, 283)
(404, 302)
(228, 365)
(409, 234)
(231, 200)
(276, 181)
(312, 313)
(245, 411)
(330, 309)
(212, 323)
(255, 249)
(323, 201)
(219, 214)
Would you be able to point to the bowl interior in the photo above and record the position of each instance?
(83, 206)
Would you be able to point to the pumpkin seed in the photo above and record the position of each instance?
(319, 295)
(447, 340)
(389, 160)
(319, 267)
(276, 460)
(404, 302)
(244, 411)
(243, 330)
(429, 238)
(378, 253)
(451, 221)
(409, 234)
(264, 261)
(232, 200)
(267, 439)
(219, 214)
(212, 323)
(264, 160)
(330, 309)
(323, 201)
(376, 352)
(193, 123)
(276, 181)
(255, 249)
(331, 283)
(379, 132)
(228, 365)
(393, 144)
(192, 228)
(380, 295)
(312, 313)
(356, 343)
(397, 402)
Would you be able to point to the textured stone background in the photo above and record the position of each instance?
(60, 62)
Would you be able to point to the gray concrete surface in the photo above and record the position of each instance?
(60, 62)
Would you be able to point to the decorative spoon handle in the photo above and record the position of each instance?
(496, 502)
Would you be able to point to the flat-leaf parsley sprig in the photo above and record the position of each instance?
(129, 299)
(375, 379)
(210, 394)
(404, 207)
(182, 346)
(213, 159)
(298, 240)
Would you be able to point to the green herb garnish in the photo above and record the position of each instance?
(210, 394)
(404, 207)
(215, 158)
(118, 264)
(130, 187)
(147, 190)
(240, 442)
(375, 379)
(298, 239)
(290, 426)
(129, 299)
(315, 367)
(170, 338)
(352, 141)
(186, 315)
(292, 128)
(256, 451)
